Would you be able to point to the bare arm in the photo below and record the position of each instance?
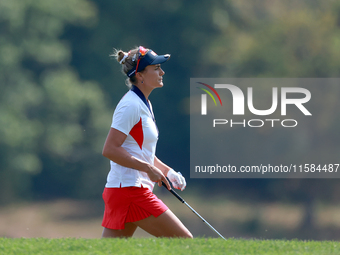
(160, 165)
(113, 151)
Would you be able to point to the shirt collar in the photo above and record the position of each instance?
(140, 95)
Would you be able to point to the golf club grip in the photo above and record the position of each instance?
(174, 193)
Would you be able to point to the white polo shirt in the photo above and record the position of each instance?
(133, 118)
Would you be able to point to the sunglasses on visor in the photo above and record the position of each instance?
(141, 53)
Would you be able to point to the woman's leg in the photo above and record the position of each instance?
(165, 225)
(130, 228)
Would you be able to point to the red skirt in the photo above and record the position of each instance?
(129, 204)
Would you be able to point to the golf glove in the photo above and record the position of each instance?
(177, 180)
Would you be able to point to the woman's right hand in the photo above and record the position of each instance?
(156, 175)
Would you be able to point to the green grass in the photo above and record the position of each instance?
(148, 246)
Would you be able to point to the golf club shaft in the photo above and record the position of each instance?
(192, 209)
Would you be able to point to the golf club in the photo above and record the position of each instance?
(182, 200)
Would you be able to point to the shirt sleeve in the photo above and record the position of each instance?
(125, 116)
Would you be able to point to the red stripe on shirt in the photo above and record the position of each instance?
(137, 133)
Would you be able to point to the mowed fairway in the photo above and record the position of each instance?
(163, 246)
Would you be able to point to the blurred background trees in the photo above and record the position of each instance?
(59, 87)
(51, 119)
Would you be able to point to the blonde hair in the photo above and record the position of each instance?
(129, 62)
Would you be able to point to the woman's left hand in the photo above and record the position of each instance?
(177, 180)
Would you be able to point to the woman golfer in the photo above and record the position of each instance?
(130, 146)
